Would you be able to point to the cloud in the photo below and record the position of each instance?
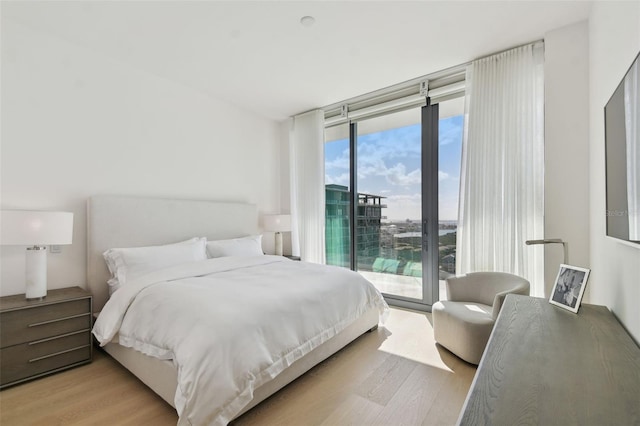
(401, 143)
(409, 206)
(401, 207)
(400, 147)
(340, 162)
(375, 150)
(450, 130)
(405, 198)
(371, 167)
(342, 179)
(397, 175)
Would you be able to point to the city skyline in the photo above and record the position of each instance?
(389, 165)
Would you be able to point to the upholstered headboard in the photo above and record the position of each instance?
(116, 221)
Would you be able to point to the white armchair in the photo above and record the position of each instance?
(463, 323)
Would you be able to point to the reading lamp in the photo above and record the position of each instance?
(552, 241)
(278, 223)
(37, 229)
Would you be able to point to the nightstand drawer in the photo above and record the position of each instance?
(40, 322)
(30, 359)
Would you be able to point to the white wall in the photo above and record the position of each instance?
(566, 161)
(76, 123)
(614, 41)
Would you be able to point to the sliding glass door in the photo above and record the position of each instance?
(382, 208)
(389, 213)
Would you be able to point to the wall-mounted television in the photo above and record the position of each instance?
(622, 145)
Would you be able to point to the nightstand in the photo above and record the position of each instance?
(41, 337)
(288, 256)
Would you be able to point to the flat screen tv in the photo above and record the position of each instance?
(622, 145)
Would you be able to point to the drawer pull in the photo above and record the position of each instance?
(58, 320)
(58, 337)
(58, 353)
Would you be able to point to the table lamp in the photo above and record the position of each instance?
(278, 223)
(37, 229)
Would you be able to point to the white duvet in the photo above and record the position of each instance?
(232, 324)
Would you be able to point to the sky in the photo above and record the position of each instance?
(388, 164)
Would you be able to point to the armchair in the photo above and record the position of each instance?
(463, 323)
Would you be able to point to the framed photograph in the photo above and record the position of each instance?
(569, 288)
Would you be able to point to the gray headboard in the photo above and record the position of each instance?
(116, 221)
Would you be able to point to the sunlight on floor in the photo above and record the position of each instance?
(393, 375)
(402, 327)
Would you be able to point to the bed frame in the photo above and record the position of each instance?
(116, 221)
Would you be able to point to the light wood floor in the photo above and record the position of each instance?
(396, 375)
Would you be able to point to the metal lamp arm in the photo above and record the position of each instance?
(565, 245)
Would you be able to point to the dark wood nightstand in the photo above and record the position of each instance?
(41, 337)
(288, 256)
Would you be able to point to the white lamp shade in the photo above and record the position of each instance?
(277, 223)
(36, 228)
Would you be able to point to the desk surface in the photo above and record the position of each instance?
(548, 366)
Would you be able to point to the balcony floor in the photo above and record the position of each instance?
(400, 285)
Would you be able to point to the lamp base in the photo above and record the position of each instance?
(35, 299)
(278, 244)
(36, 273)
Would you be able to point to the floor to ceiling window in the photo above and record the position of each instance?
(382, 219)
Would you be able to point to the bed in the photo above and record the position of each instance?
(115, 221)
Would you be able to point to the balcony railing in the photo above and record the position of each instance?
(377, 206)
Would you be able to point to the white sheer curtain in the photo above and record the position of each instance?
(632, 130)
(306, 144)
(502, 176)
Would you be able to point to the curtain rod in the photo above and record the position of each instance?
(447, 72)
(533, 43)
(399, 86)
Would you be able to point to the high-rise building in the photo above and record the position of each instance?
(337, 227)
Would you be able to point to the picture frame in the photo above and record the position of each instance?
(569, 287)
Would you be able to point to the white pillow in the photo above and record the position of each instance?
(246, 246)
(126, 264)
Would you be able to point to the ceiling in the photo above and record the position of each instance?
(258, 56)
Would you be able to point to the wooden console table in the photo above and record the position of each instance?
(544, 365)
